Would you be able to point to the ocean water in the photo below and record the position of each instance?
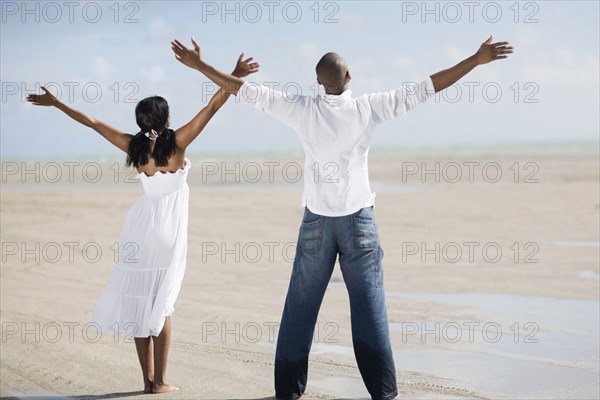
(251, 171)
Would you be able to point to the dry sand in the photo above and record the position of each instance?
(226, 315)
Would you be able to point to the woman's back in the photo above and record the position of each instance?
(162, 181)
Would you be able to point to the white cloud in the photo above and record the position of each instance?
(348, 18)
(309, 51)
(564, 68)
(528, 36)
(155, 74)
(159, 29)
(584, 74)
(103, 68)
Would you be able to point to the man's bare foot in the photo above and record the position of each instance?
(164, 388)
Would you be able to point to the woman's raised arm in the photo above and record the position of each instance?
(190, 131)
(115, 136)
(193, 59)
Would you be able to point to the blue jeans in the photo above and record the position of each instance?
(355, 238)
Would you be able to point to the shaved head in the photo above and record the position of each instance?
(332, 73)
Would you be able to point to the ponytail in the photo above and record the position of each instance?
(151, 114)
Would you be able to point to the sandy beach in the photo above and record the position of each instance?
(491, 276)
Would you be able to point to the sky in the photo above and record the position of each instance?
(102, 57)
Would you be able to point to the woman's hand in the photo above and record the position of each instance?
(189, 57)
(193, 59)
(489, 51)
(46, 99)
(245, 67)
(115, 136)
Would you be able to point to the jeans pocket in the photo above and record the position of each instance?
(311, 233)
(364, 229)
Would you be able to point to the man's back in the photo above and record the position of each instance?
(336, 131)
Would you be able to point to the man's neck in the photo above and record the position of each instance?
(336, 91)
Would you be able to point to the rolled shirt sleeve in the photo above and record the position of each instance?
(288, 109)
(394, 103)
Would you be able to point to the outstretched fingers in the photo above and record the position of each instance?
(489, 51)
(505, 49)
(196, 47)
(179, 45)
(41, 99)
(176, 48)
(251, 67)
(36, 100)
(248, 66)
(503, 52)
(179, 52)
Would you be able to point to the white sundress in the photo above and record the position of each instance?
(144, 283)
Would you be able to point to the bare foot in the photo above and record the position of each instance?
(148, 386)
(164, 388)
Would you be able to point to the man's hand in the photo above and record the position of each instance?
(46, 99)
(189, 57)
(489, 51)
(245, 67)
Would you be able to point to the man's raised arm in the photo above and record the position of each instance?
(487, 52)
(193, 59)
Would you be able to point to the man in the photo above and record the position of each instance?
(336, 130)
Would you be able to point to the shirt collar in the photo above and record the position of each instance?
(335, 99)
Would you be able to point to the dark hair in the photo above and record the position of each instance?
(152, 113)
(331, 69)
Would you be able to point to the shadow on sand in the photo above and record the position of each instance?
(106, 396)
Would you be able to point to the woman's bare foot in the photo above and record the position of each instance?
(148, 386)
(164, 388)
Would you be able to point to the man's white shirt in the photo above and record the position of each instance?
(336, 131)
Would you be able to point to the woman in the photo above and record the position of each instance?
(145, 282)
